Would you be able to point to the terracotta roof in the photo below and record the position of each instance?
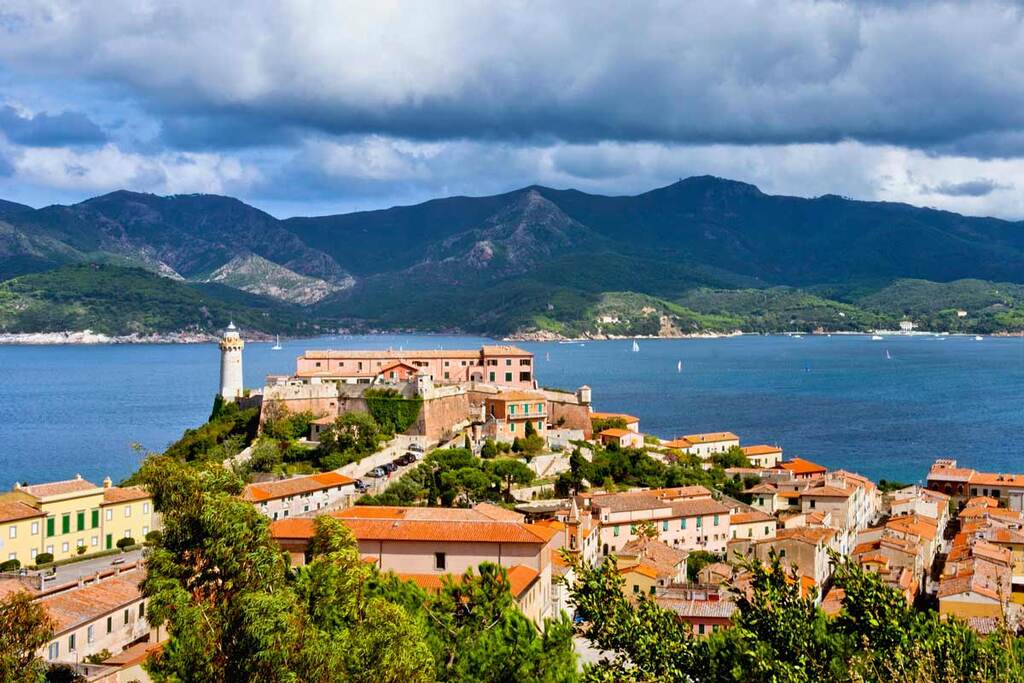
(679, 444)
(711, 437)
(654, 552)
(77, 606)
(693, 491)
(520, 578)
(628, 502)
(918, 525)
(57, 488)
(421, 530)
(397, 364)
(645, 568)
(761, 449)
(698, 609)
(755, 516)
(804, 534)
(763, 488)
(479, 512)
(119, 494)
(827, 492)
(503, 350)
(982, 501)
(390, 354)
(616, 433)
(507, 396)
(271, 490)
(596, 415)
(12, 511)
(801, 466)
(133, 655)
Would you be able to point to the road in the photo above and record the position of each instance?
(76, 570)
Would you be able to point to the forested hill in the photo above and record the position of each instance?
(701, 254)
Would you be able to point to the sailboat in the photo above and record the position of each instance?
(876, 337)
(978, 337)
(277, 346)
(636, 347)
(679, 366)
(547, 356)
(888, 356)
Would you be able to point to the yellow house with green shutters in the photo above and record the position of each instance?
(76, 514)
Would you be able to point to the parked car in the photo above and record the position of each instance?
(413, 456)
(416, 448)
(406, 459)
(376, 472)
(361, 486)
(389, 467)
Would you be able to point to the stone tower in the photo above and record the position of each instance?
(231, 363)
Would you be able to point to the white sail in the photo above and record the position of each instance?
(636, 347)
(679, 366)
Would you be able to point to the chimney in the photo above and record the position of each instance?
(107, 483)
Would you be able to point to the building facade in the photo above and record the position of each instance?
(301, 495)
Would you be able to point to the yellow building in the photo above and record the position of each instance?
(69, 515)
(20, 529)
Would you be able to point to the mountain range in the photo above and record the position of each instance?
(702, 254)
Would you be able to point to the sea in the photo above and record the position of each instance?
(883, 408)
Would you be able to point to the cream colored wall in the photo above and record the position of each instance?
(753, 531)
(635, 583)
(121, 634)
(970, 605)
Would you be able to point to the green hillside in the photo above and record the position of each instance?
(119, 301)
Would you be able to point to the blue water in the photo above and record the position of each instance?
(835, 400)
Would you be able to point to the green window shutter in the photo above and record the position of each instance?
(65, 523)
(50, 526)
(110, 542)
(492, 376)
(95, 518)
(80, 518)
(508, 376)
(682, 523)
(615, 531)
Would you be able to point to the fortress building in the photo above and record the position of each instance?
(231, 346)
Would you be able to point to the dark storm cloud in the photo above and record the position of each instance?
(49, 130)
(979, 187)
(920, 75)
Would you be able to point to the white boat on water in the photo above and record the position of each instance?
(277, 346)
(978, 337)
(679, 366)
(888, 356)
(636, 347)
(798, 336)
(877, 337)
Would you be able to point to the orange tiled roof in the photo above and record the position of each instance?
(680, 444)
(421, 530)
(507, 396)
(711, 437)
(520, 578)
(616, 433)
(57, 488)
(755, 516)
(643, 568)
(12, 511)
(597, 415)
(801, 466)
(761, 449)
(77, 606)
(270, 490)
(123, 494)
(924, 527)
(805, 534)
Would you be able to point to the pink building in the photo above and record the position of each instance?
(492, 364)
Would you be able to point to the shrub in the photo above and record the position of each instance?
(44, 558)
(125, 542)
(154, 537)
(392, 411)
(80, 550)
(10, 566)
(99, 657)
(489, 450)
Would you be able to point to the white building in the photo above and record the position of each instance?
(301, 495)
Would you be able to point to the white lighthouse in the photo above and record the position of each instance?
(231, 363)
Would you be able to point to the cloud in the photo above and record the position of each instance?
(978, 187)
(49, 130)
(919, 75)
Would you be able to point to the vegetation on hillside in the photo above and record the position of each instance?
(114, 300)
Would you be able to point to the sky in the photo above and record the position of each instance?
(309, 107)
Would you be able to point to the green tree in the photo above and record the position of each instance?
(510, 471)
(351, 437)
(25, 627)
(477, 632)
(488, 450)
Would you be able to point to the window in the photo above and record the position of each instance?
(110, 514)
(524, 361)
(65, 523)
(145, 529)
(127, 533)
(664, 525)
(95, 518)
(491, 375)
(512, 409)
(145, 508)
(447, 376)
(35, 528)
(526, 409)
(142, 609)
(615, 531)
(512, 427)
(110, 624)
(127, 510)
(126, 617)
(12, 556)
(524, 377)
(632, 528)
(636, 588)
(94, 541)
(700, 629)
(439, 561)
(71, 643)
(54, 651)
(716, 520)
(540, 425)
(80, 519)
(64, 547)
(813, 502)
(508, 361)
(700, 522)
(33, 553)
(682, 524)
(508, 376)
(652, 590)
(13, 532)
(90, 634)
